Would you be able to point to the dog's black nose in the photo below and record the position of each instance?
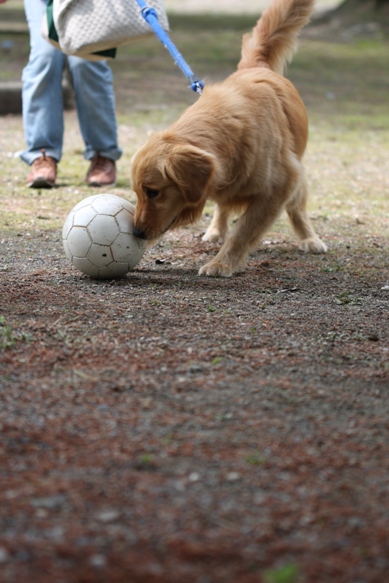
(139, 233)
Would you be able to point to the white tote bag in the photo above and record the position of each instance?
(87, 26)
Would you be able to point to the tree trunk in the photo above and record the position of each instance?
(372, 10)
(370, 5)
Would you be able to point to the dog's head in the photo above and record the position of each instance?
(170, 180)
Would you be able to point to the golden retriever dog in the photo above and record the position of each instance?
(240, 145)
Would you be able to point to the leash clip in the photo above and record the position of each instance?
(196, 85)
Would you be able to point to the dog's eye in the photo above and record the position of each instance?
(151, 192)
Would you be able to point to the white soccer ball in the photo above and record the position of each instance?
(98, 237)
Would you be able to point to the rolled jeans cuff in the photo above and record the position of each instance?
(29, 156)
(113, 154)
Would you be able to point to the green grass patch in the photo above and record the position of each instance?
(286, 574)
(9, 337)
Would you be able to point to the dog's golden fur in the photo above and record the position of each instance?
(240, 145)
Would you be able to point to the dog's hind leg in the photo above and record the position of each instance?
(296, 209)
(218, 227)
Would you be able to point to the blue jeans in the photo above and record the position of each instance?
(43, 102)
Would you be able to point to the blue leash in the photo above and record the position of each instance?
(151, 17)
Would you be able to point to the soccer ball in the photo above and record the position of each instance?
(98, 237)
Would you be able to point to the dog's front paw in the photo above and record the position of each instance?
(213, 236)
(315, 245)
(216, 269)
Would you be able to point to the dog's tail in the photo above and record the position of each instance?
(273, 41)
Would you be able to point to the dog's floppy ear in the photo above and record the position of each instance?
(191, 169)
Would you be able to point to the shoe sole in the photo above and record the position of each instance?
(40, 183)
(99, 185)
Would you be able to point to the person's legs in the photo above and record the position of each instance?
(42, 91)
(95, 100)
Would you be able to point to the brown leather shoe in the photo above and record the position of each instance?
(102, 172)
(43, 172)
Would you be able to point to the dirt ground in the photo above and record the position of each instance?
(167, 428)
